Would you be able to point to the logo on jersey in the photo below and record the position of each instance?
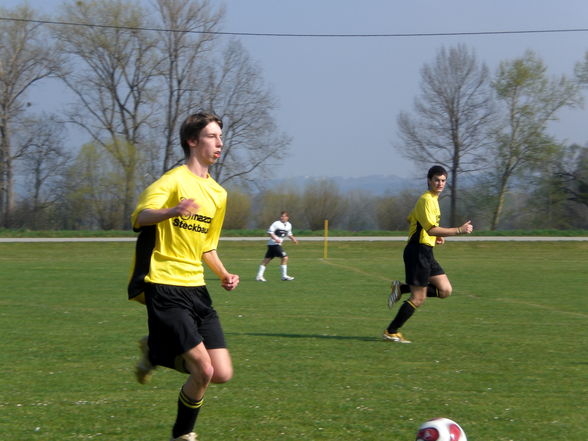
(179, 223)
(281, 233)
(188, 222)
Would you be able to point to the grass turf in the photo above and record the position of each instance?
(505, 356)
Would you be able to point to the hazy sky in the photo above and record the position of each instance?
(339, 97)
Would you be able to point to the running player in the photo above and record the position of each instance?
(179, 219)
(424, 276)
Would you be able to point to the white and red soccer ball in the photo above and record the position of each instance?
(440, 429)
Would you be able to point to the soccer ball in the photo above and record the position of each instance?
(440, 429)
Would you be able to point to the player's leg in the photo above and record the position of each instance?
(144, 368)
(206, 358)
(222, 364)
(417, 273)
(205, 366)
(284, 266)
(198, 363)
(261, 270)
(418, 294)
(397, 289)
(439, 286)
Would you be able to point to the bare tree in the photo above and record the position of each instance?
(236, 92)
(581, 71)
(44, 160)
(270, 203)
(392, 211)
(116, 63)
(184, 43)
(238, 210)
(25, 60)
(572, 174)
(453, 116)
(93, 190)
(128, 67)
(530, 100)
(322, 200)
(360, 212)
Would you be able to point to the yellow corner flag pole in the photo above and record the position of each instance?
(326, 241)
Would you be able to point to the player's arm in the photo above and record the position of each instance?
(275, 238)
(228, 281)
(466, 228)
(293, 238)
(151, 216)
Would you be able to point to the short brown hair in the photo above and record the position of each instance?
(192, 126)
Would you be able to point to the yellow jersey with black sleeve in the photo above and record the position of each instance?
(170, 252)
(425, 215)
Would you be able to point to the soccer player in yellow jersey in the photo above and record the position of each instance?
(424, 276)
(179, 219)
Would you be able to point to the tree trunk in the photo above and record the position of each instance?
(500, 202)
(6, 174)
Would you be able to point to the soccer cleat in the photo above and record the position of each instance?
(287, 278)
(396, 336)
(260, 279)
(394, 294)
(187, 437)
(144, 368)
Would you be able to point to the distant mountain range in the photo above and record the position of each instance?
(376, 185)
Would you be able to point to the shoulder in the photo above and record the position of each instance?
(215, 185)
(171, 176)
(428, 198)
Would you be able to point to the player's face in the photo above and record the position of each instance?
(284, 218)
(437, 183)
(208, 146)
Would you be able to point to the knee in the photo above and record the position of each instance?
(201, 370)
(417, 300)
(444, 292)
(222, 374)
(204, 373)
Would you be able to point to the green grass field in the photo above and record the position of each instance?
(505, 356)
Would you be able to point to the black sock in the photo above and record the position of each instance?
(432, 291)
(187, 413)
(404, 288)
(406, 310)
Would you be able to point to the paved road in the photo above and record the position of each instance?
(315, 239)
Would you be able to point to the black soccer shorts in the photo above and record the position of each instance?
(275, 251)
(420, 264)
(179, 319)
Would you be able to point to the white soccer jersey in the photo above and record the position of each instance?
(280, 229)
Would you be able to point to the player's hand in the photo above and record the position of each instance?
(439, 240)
(467, 228)
(230, 282)
(187, 207)
(278, 241)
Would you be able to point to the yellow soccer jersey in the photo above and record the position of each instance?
(424, 215)
(170, 252)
